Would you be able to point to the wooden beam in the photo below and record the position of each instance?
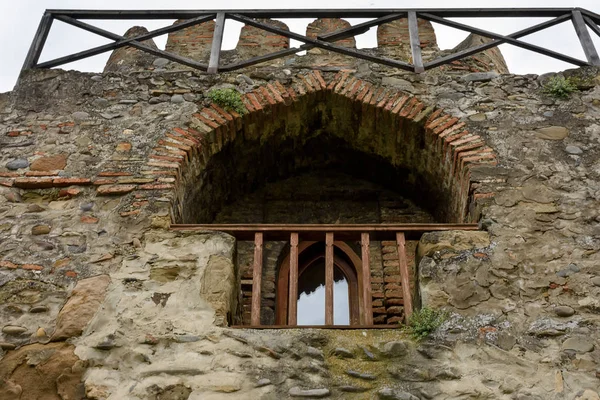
(584, 38)
(329, 278)
(339, 327)
(366, 279)
(415, 42)
(215, 50)
(35, 50)
(293, 281)
(344, 232)
(406, 293)
(257, 279)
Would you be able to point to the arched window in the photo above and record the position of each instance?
(312, 286)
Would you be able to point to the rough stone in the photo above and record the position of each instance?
(395, 349)
(19, 163)
(49, 163)
(37, 371)
(552, 133)
(391, 394)
(309, 393)
(81, 306)
(40, 230)
(564, 311)
(480, 76)
(573, 149)
(578, 344)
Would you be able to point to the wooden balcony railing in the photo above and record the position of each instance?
(330, 234)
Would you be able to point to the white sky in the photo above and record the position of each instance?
(19, 20)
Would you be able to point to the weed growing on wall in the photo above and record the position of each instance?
(229, 99)
(559, 86)
(424, 322)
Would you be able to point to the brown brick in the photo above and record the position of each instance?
(8, 264)
(115, 189)
(33, 183)
(32, 267)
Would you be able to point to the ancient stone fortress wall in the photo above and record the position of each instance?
(99, 299)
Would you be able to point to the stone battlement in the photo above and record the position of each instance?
(392, 41)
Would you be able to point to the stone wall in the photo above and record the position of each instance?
(103, 301)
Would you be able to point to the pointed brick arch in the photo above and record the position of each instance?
(386, 122)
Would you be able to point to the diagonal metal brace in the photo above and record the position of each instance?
(514, 42)
(134, 43)
(323, 45)
(121, 43)
(482, 47)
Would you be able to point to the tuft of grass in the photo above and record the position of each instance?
(560, 87)
(229, 99)
(424, 322)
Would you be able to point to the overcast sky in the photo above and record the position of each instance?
(19, 20)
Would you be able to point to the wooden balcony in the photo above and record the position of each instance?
(331, 235)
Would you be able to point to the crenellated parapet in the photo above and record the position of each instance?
(393, 42)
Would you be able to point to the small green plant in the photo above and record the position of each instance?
(559, 86)
(424, 322)
(229, 99)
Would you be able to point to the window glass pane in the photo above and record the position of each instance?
(311, 297)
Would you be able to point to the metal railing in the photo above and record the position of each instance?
(579, 17)
(331, 235)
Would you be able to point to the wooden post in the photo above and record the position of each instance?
(404, 274)
(329, 278)
(215, 50)
(257, 279)
(366, 279)
(415, 42)
(293, 282)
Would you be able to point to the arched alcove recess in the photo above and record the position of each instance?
(346, 260)
(382, 133)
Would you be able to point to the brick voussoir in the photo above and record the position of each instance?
(348, 86)
(408, 107)
(419, 117)
(276, 94)
(363, 92)
(169, 143)
(248, 104)
(385, 98)
(376, 95)
(433, 116)
(319, 77)
(189, 134)
(211, 114)
(353, 92)
(267, 95)
(254, 101)
(392, 101)
(400, 104)
(416, 110)
(207, 121)
(334, 81)
(220, 111)
(434, 123)
(180, 139)
(441, 128)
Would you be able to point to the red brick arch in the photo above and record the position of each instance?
(446, 151)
